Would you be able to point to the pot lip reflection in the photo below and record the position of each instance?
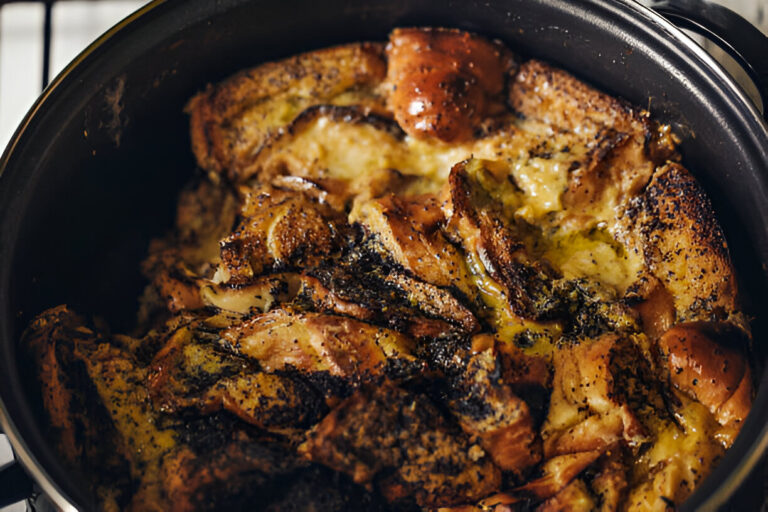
(716, 498)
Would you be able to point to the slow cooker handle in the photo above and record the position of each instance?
(735, 35)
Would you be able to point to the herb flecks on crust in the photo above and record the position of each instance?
(422, 275)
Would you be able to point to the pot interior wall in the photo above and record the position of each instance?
(95, 174)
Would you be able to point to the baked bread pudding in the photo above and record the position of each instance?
(421, 275)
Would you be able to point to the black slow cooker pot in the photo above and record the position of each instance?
(93, 171)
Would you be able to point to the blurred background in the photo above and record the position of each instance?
(72, 25)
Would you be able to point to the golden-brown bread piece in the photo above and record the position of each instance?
(621, 146)
(328, 142)
(314, 342)
(618, 168)
(402, 435)
(544, 92)
(716, 375)
(574, 497)
(231, 120)
(672, 224)
(499, 502)
(205, 214)
(279, 228)
(654, 305)
(684, 452)
(338, 192)
(444, 83)
(258, 296)
(189, 373)
(409, 230)
(610, 484)
(592, 406)
(557, 473)
(176, 285)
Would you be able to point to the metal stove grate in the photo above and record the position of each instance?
(38, 38)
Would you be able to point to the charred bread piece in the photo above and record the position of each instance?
(366, 285)
(82, 427)
(223, 466)
(128, 425)
(279, 229)
(488, 409)
(191, 373)
(409, 231)
(139, 461)
(218, 465)
(402, 439)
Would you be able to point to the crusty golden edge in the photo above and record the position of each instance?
(317, 75)
(673, 225)
(543, 92)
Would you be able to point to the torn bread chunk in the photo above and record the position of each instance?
(672, 224)
(444, 83)
(230, 121)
